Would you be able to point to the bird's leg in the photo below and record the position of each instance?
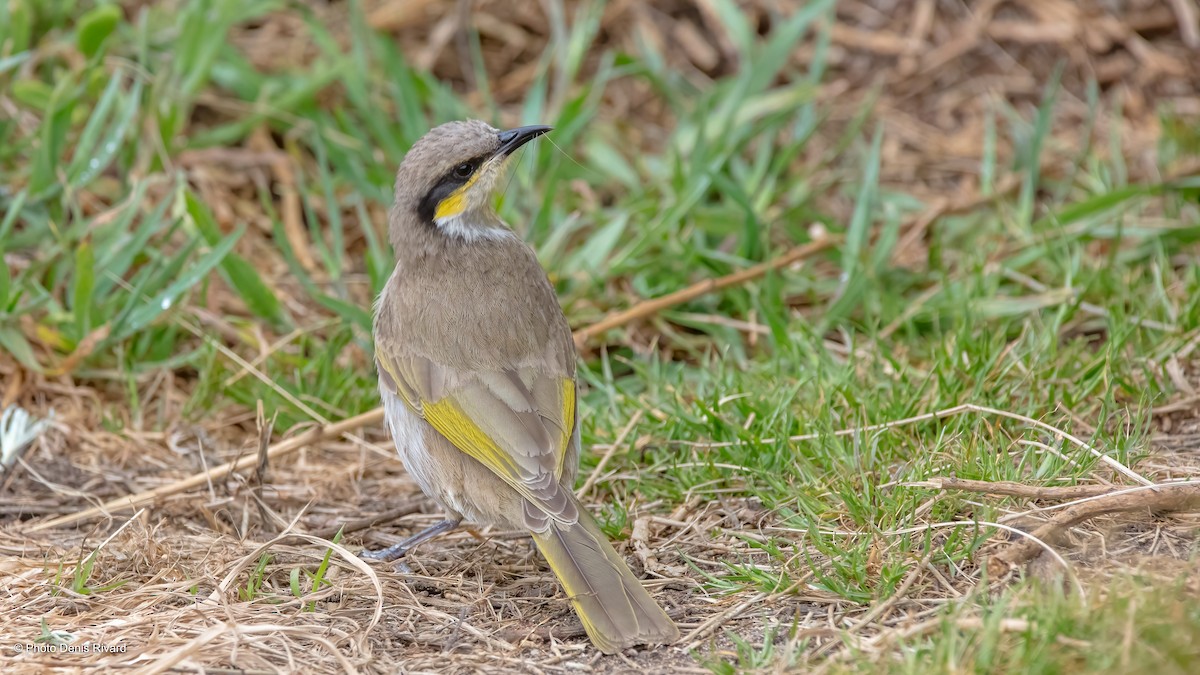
(399, 550)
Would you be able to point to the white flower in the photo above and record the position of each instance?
(17, 431)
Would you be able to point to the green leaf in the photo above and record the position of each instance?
(379, 258)
(605, 158)
(857, 236)
(125, 248)
(594, 253)
(1096, 206)
(860, 222)
(239, 273)
(735, 24)
(347, 311)
(8, 63)
(93, 154)
(13, 209)
(1033, 151)
(15, 344)
(16, 24)
(32, 93)
(85, 283)
(782, 44)
(150, 309)
(1020, 305)
(43, 181)
(95, 27)
(5, 282)
(294, 582)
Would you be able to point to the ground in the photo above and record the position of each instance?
(927, 401)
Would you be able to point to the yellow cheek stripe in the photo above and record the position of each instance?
(456, 202)
(451, 206)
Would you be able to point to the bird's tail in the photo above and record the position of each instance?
(616, 610)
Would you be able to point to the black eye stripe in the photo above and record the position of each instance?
(428, 206)
(445, 186)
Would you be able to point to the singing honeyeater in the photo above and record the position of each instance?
(477, 374)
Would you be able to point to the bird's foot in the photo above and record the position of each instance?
(397, 551)
(387, 554)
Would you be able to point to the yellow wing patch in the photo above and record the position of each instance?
(568, 422)
(451, 422)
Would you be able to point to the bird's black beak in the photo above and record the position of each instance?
(514, 138)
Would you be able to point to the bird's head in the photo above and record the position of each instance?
(447, 178)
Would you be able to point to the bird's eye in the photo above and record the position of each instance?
(464, 170)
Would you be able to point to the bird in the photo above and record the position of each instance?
(477, 373)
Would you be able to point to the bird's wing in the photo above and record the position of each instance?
(516, 422)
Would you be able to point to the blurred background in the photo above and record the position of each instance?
(690, 138)
(193, 200)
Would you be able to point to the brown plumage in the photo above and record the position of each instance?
(477, 374)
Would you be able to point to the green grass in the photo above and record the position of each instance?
(317, 578)
(1058, 302)
(1028, 630)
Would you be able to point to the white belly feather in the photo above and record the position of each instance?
(408, 433)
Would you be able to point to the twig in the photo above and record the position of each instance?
(1180, 405)
(612, 449)
(366, 522)
(1162, 498)
(1011, 489)
(1116, 490)
(1189, 25)
(264, 445)
(656, 305)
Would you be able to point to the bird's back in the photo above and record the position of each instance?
(482, 305)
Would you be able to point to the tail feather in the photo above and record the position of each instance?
(615, 609)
